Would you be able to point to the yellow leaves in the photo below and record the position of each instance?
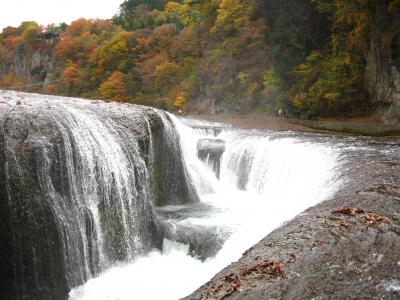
(114, 53)
(186, 14)
(299, 100)
(30, 30)
(252, 88)
(242, 77)
(331, 96)
(179, 101)
(114, 88)
(8, 79)
(322, 5)
(172, 6)
(232, 15)
(167, 73)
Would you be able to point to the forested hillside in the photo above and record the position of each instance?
(309, 58)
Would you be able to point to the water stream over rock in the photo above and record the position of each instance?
(102, 201)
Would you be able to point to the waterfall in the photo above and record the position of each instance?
(81, 185)
(265, 179)
(103, 200)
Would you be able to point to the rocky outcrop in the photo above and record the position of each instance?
(383, 78)
(171, 182)
(77, 189)
(33, 64)
(211, 150)
(383, 68)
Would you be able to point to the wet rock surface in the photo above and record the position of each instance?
(203, 241)
(211, 150)
(77, 189)
(345, 248)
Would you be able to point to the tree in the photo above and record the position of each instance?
(232, 15)
(135, 14)
(115, 54)
(71, 76)
(114, 88)
(167, 74)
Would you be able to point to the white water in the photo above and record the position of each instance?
(286, 175)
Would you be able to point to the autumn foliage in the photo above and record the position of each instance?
(114, 88)
(305, 56)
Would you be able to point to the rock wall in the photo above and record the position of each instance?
(32, 65)
(77, 189)
(383, 67)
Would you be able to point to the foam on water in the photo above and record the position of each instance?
(265, 180)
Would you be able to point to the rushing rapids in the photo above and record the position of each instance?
(100, 201)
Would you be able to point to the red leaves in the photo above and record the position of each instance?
(265, 270)
(269, 270)
(368, 218)
(348, 211)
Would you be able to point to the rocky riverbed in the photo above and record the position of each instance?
(345, 248)
(362, 126)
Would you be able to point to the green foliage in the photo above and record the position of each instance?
(115, 54)
(135, 14)
(295, 29)
(305, 56)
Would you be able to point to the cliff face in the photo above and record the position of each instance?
(29, 65)
(383, 68)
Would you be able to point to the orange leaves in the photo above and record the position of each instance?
(179, 101)
(163, 36)
(367, 218)
(114, 88)
(265, 271)
(8, 79)
(78, 27)
(51, 89)
(71, 75)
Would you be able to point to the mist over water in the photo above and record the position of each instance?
(265, 179)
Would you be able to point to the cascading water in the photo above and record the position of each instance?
(135, 202)
(80, 187)
(265, 179)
